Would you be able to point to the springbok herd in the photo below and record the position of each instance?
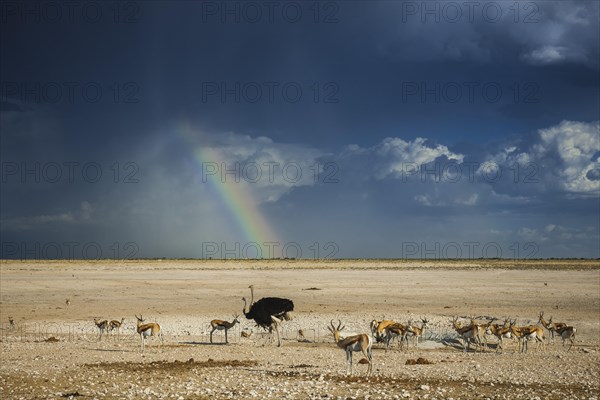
(476, 332)
(473, 333)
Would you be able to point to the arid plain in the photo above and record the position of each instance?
(53, 349)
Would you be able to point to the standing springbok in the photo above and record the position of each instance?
(395, 331)
(116, 325)
(102, 327)
(501, 332)
(378, 329)
(566, 332)
(362, 342)
(467, 333)
(551, 326)
(220, 325)
(416, 332)
(149, 329)
(480, 331)
(526, 333)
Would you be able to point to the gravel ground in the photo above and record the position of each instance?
(53, 351)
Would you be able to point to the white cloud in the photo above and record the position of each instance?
(549, 54)
(393, 156)
(282, 167)
(575, 143)
(557, 235)
(550, 227)
(560, 158)
(531, 234)
(416, 151)
(429, 201)
(468, 201)
(500, 232)
(257, 164)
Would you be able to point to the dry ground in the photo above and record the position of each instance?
(183, 296)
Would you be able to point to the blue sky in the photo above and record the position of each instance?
(420, 129)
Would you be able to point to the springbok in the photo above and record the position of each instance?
(220, 325)
(378, 329)
(395, 331)
(416, 332)
(149, 329)
(116, 325)
(362, 342)
(480, 331)
(526, 333)
(501, 332)
(551, 326)
(466, 333)
(566, 332)
(102, 326)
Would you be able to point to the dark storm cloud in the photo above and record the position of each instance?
(360, 99)
(8, 106)
(537, 33)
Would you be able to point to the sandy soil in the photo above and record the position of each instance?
(53, 349)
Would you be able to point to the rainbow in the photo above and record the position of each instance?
(237, 197)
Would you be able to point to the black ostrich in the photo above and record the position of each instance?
(268, 312)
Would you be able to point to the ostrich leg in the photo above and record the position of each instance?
(276, 322)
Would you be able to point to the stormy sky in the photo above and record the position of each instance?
(342, 129)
